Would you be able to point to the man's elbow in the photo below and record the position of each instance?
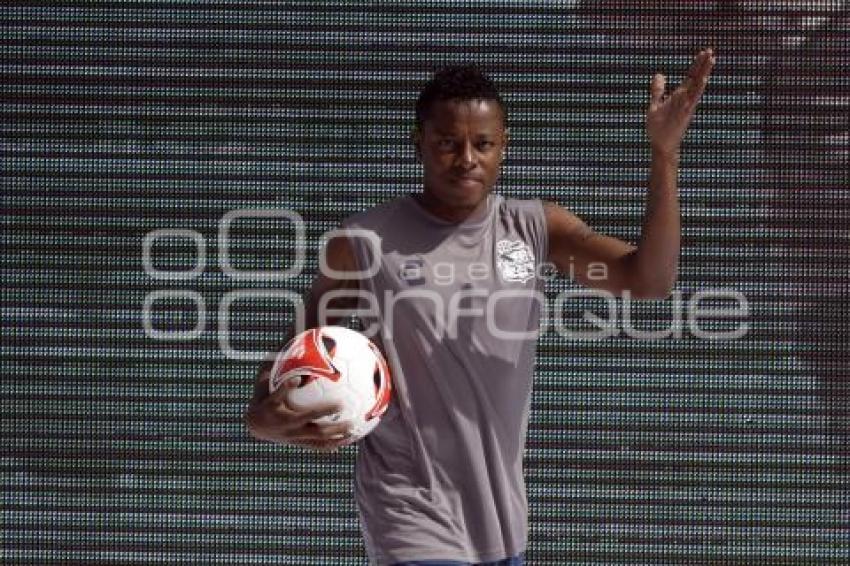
(642, 281)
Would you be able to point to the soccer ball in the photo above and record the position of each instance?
(333, 363)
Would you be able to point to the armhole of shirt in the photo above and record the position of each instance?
(544, 232)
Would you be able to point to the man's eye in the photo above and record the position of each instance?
(485, 145)
(445, 143)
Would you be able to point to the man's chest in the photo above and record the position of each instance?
(491, 265)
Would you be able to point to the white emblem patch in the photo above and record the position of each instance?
(515, 260)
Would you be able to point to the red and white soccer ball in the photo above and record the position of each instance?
(333, 363)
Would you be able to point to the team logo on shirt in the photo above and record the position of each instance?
(515, 260)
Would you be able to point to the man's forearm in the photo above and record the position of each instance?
(655, 262)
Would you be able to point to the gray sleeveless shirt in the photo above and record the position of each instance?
(457, 310)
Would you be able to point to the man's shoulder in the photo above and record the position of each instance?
(516, 202)
(521, 206)
(374, 216)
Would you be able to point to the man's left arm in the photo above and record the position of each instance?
(650, 269)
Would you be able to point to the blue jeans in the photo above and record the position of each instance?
(512, 561)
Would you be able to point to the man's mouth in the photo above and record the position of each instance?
(467, 180)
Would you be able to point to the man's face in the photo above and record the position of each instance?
(460, 145)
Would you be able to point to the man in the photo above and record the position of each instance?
(453, 287)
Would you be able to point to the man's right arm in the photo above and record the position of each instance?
(268, 416)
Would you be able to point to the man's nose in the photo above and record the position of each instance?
(466, 158)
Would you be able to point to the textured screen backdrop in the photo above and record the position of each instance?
(157, 154)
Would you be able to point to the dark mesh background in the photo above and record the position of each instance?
(125, 446)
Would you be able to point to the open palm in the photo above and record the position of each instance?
(669, 115)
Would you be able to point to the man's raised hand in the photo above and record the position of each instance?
(669, 115)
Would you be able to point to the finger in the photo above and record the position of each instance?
(699, 72)
(299, 417)
(317, 432)
(695, 66)
(701, 59)
(656, 89)
(284, 387)
(331, 409)
(334, 430)
(293, 422)
(687, 95)
(278, 399)
(330, 431)
(281, 392)
(705, 64)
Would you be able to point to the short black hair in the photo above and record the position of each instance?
(457, 82)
